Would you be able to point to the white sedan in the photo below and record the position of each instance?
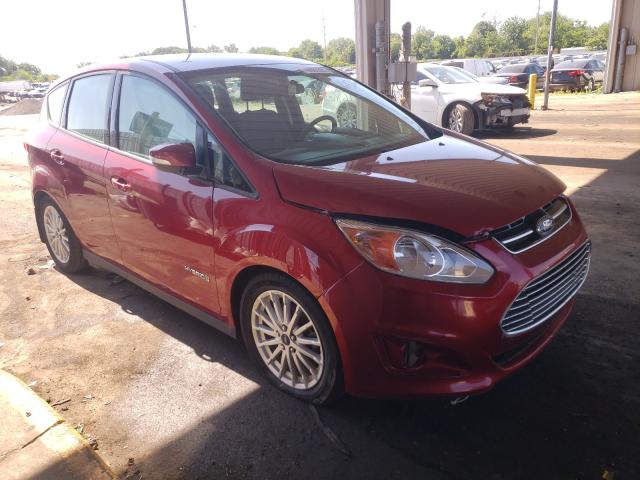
(444, 96)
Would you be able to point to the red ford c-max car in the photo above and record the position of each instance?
(382, 256)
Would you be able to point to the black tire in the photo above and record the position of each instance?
(329, 385)
(464, 121)
(76, 261)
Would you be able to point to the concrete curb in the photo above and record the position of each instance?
(36, 442)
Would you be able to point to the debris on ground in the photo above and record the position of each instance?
(86, 398)
(79, 427)
(31, 271)
(60, 402)
(93, 443)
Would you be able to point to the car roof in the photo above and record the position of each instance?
(183, 62)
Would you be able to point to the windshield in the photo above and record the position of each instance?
(449, 75)
(308, 115)
(520, 68)
(466, 74)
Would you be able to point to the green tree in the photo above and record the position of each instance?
(443, 46)
(395, 44)
(421, 45)
(231, 48)
(308, 49)
(511, 36)
(599, 37)
(341, 51)
(264, 50)
(482, 40)
(168, 50)
(27, 67)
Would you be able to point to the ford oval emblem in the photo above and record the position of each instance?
(544, 226)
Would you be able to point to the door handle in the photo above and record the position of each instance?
(56, 156)
(120, 184)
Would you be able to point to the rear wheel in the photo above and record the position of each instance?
(63, 245)
(289, 337)
(460, 118)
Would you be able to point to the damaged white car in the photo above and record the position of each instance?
(444, 96)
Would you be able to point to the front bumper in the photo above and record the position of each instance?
(502, 114)
(456, 327)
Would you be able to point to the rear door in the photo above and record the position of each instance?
(79, 148)
(163, 220)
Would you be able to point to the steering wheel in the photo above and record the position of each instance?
(315, 121)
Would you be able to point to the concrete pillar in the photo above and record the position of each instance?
(367, 13)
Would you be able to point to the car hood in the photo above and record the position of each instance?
(452, 182)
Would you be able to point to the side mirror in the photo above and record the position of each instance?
(173, 156)
(427, 82)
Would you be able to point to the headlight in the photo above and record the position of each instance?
(414, 254)
(491, 98)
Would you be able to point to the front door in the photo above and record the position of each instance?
(424, 100)
(163, 220)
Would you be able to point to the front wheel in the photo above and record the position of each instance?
(347, 116)
(460, 119)
(289, 337)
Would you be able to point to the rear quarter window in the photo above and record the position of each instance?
(55, 104)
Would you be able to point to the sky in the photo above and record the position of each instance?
(59, 34)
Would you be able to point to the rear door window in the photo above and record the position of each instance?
(149, 115)
(88, 107)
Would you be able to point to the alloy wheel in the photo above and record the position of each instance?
(287, 340)
(455, 120)
(347, 117)
(56, 234)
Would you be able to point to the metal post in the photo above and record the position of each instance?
(405, 56)
(367, 13)
(547, 74)
(382, 56)
(186, 24)
(535, 49)
(622, 52)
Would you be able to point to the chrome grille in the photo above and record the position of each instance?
(548, 293)
(522, 234)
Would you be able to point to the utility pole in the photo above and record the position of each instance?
(405, 56)
(547, 74)
(535, 49)
(324, 36)
(186, 25)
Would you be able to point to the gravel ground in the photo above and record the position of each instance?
(28, 106)
(152, 384)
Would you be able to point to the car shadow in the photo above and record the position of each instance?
(517, 133)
